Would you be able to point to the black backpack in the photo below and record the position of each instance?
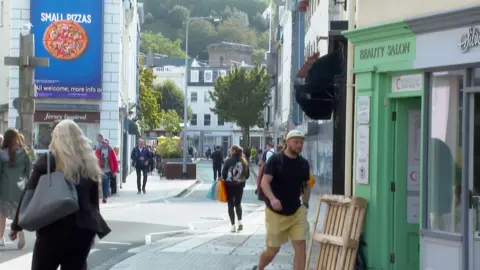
(259, 191)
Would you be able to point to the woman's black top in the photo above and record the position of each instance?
(87, 217)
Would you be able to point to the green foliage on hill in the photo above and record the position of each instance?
(242, 22)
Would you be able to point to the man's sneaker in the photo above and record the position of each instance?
(240, 227)
(234, 229)
(139, 192)
(21, 240)
(144, 192)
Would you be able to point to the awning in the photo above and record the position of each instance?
(302, 73)
(316, 96)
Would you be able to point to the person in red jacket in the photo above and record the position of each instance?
(107, 160)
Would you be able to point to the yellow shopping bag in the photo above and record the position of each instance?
(222, 191)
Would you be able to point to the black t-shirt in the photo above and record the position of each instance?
(289, 176)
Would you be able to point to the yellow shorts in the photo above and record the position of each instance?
(279, 228)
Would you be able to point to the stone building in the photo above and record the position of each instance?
(226, 53)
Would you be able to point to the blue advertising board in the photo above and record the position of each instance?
(70, 33)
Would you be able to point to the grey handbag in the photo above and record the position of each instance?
(53, 199)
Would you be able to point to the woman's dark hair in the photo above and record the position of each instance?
(11, 140)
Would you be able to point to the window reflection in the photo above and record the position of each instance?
(445, 151)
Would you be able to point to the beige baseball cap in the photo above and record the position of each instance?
(294, 134)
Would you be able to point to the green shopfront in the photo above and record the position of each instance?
(417, 141)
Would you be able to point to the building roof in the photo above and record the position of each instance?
(231, 45)
(176, 62)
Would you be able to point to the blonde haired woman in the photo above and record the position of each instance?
(67, 242)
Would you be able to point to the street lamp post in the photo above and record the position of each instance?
(185, 99)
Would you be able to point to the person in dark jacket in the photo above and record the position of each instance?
(217, 161)
(67, 242)
(235, 172)
(141, 157)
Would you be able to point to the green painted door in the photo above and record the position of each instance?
(405, 187)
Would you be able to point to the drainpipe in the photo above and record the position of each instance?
(350, 105)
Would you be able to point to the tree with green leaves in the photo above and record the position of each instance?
(170, 122)
(241, 96)
(157, 43)
(148, 106)
(172, 98)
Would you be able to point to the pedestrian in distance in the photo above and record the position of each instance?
(235, 172)
(98, 142)
(107, 160)
(267, 154)
(286, 176)
(279, 148)
(140, 160)
(67, 241)
(217, 162)
(15, 167)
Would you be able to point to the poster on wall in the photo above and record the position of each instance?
(362, 156)
(363, 109)
(414, 148)
(71, 35)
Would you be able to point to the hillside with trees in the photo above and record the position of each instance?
(242, 22)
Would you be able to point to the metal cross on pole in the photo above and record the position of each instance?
(26, 62)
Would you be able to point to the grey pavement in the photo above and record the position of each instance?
(215, 248)
(130, 217)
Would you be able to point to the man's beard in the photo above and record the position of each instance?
(293, 151)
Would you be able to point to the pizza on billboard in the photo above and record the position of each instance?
(65, 39)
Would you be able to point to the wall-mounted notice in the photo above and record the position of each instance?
(406, 83)
(413, 165)
(413, 209)
(414, 148)
(363, 109)
(362, 154)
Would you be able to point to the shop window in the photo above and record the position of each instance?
(193, 121)
(444, 157)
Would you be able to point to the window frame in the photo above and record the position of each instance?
(205, 119)
(194, 120)
(191, 96)
(220, 121)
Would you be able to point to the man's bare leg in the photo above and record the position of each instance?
(300, 249)
(267, 257)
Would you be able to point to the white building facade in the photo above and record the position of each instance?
(5, 33)
(170, 73)
(115, 61)
(205, 128)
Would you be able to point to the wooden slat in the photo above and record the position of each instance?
(339, 236)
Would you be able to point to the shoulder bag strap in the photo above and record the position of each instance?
(48, 168)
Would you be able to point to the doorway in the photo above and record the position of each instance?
(471, 129)
(405, 187)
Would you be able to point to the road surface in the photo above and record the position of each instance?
(131, 224)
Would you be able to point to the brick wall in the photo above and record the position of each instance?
(112, 63)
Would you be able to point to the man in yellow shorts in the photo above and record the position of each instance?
(286, 176)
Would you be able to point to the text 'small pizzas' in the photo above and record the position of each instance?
(65, 39)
